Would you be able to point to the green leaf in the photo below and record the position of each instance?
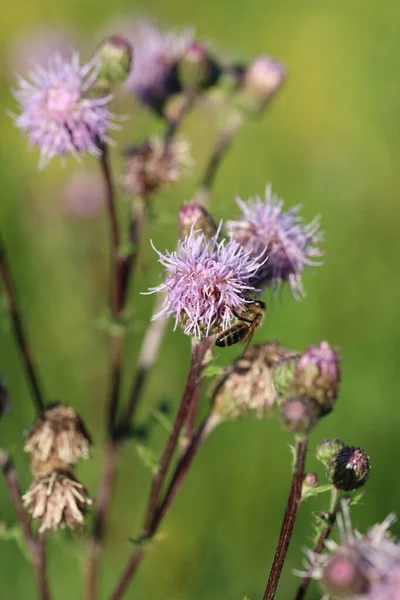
(148, 458)
(140, 541)
(14, 534)
(321, 489)
(162, 419)
(293, 453)
(212, 371)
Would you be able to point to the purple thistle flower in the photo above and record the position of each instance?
(359, 567)
(155, 55)
(57, 114)
(290, 244)
(205, 280)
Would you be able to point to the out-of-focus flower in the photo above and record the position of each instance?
(58, 112)
(153, 164)
(359, 567)
(205, 280)
(57, 499)
(317, 375)
(193, 216)
(289, 244)
(260, 81)
(348, 469)
(328, 448)
(59, 431)
(299, 414)
(153, 75)
(83, 194)
(115, 60)
(246, 387)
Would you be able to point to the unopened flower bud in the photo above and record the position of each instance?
(58, 434)
(115, 57)
(310, 482)
(261, 80)
(343, 578)
(57, 499)
(197, 69)
(328, 448)
(317, 376)
(348, 469)
(299, 414)
(246, 387)
(283, 374)
(194, 216)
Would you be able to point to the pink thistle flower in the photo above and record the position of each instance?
(57, 113)
(206, 280)
(288, 242)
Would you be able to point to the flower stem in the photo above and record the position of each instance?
(19, 332)
(36, 547)
(323, 536)
(156, 510)
(289, 519)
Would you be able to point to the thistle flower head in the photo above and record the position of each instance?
(58, 431)
(348, 468)
(282, 235)
(153, 164)
(359, 567)
(57, 499)
(299, 414)
(205, 280)
(58, 114)
(260, 81)
(152, 78)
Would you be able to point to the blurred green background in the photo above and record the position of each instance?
(330, 142)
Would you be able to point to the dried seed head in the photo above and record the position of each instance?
(58, 433)
(317, 376)
(299, 414)
(246, 387)
(193, 216)
(348, 469)
(57, 500)
(153, 164)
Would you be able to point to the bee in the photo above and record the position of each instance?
(250, 318)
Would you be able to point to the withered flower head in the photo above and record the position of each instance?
(57, 500)
(59, 432)
(153, 164)
(247, 386)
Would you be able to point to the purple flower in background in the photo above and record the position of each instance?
(57, 114)
(205, 280)
(283, 236)
(155, 54)
(359, 567)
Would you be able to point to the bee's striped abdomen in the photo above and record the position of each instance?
(233, 335)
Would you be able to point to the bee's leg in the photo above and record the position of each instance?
(239, 317)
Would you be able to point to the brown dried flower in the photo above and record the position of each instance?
(58, 500)
(247, 385)
(153, 164)
(58, 433)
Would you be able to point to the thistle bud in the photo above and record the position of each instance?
(57, 499)
(348, 469)
(58, 434)
(343, 577)
(310, 482)
(299, 414)
(283, 374)
(328, 448)
(197, 70)
(246, 387)
(115, 57)
(317, 375)
(193, 215)
(261, 80)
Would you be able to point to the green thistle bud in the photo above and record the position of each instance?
(115, 57)
(261, 80)
(283, 374)
(194, 215)
(348, 469)
(197, 70)
(299, 414)
(310, 482)
(328, 448)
